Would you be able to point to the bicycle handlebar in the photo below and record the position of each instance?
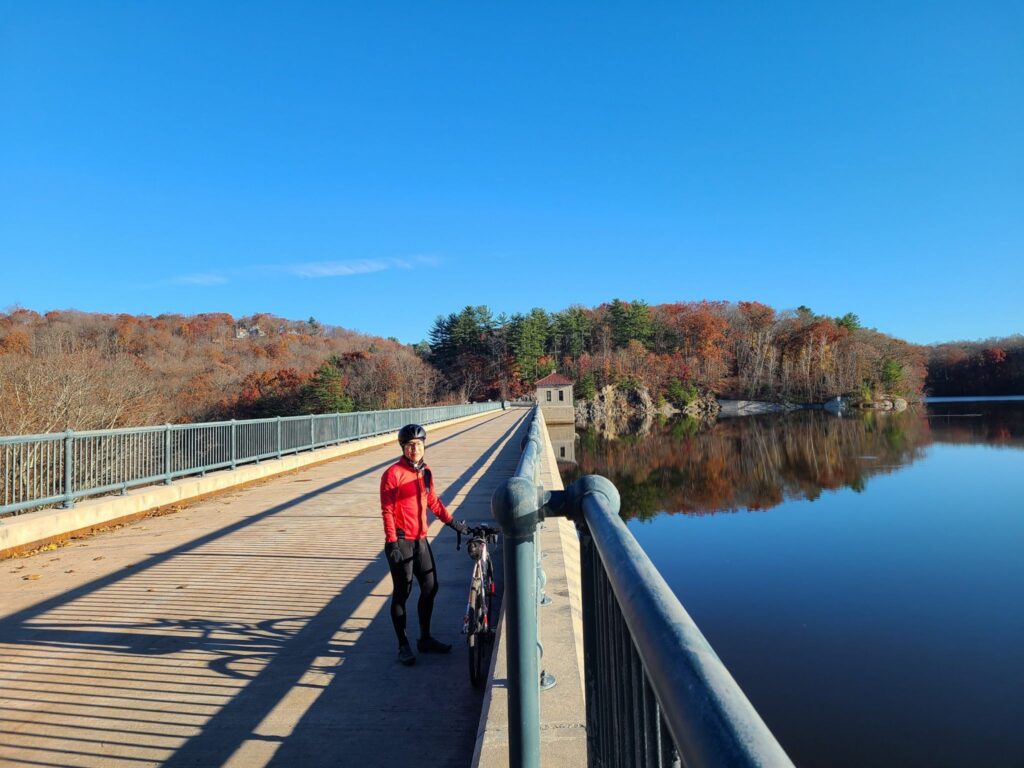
(477, 532)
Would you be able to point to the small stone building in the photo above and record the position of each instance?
(554, 395)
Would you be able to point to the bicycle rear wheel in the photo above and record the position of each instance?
(477, 641)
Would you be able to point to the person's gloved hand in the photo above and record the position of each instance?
(393, 552)
(460, 526)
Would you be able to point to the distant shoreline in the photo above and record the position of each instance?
(969, 398)
(758, 407)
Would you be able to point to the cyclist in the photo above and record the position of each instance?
(406, 492)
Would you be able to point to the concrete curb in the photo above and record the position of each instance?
(35, 529)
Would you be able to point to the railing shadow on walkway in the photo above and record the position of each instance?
(285, 691)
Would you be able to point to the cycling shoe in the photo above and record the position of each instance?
(405, 655)
(432, 645)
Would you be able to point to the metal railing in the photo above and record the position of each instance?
(58, 468)
(516, 506)
(656, 692)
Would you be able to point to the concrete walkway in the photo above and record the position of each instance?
(249, 629)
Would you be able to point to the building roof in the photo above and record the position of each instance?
(554, 380)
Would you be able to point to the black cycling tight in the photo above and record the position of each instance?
(418, 561)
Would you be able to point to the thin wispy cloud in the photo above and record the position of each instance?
(355, 267)
(206, 278)
(305, 269)
(336, 268)
(427, 260)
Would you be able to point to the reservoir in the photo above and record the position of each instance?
(861, 577)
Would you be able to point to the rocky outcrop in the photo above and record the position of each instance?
(614, 411)
(706, 406)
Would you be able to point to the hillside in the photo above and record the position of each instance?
(90, 371)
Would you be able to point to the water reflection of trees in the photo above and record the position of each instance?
(994, 423)
(750, 463)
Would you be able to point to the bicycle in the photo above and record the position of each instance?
(478, 622)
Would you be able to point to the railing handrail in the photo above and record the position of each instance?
(710, 718)
(60, 467)
(222, 423)
(516, 507)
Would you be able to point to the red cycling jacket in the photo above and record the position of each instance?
(405, 496)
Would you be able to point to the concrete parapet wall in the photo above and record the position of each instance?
(34, 529)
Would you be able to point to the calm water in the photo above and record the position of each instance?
(862, 578)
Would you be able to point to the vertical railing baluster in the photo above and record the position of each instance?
(167, 454)
(69, 488)
(636, 691)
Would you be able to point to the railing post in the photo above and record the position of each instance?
(167, 454)
(514, 505)
(312, 432)
(234, 445)
(279, 437)
(69, 469)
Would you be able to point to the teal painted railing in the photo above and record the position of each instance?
(656, 692)
(61, 467)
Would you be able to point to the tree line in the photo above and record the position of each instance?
(738, 350)
(989, 367)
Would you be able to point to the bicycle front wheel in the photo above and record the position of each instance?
(477, 641)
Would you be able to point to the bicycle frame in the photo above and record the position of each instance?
(476, 622)
(481, 582)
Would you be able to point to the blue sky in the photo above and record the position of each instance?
(377, 164)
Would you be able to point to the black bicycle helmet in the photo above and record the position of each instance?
(411, 432)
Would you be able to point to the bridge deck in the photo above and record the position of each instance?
(248, 629)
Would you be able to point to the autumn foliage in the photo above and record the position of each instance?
(78, 370)
(91, 371)
(745, 350)
(990, 367)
